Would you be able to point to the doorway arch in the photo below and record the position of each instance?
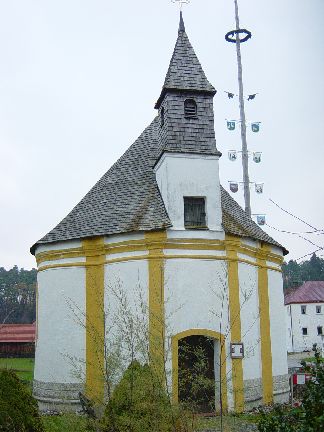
(219, 346)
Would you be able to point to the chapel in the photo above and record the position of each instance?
(158, 235)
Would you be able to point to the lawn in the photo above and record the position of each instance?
(65, 423)
(24, 367)
(73, 422)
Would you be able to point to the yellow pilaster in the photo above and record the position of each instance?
(266, 356)
(95, 331)
(155, 241)
(232, 246)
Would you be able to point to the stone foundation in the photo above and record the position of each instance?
(253, 391)
(281, 388)
(57, 396)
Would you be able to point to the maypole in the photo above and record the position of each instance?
(239, 36)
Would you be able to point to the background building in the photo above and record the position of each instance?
(305, 316)
(17, 340)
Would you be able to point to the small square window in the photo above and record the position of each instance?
(194, 213)
(304, 331)
(303, 309)
(318, 309)
(319, 330)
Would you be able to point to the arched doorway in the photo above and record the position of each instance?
(199, 370)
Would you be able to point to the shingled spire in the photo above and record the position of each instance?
(186, 103)
(185, 71)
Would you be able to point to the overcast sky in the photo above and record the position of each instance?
(78, 83)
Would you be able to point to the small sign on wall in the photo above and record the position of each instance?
(237, 350)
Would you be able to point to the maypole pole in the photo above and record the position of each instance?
(239, 36)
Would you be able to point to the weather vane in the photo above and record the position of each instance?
(181, 2)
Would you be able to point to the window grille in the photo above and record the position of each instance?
(304, 331)
(190, 108)
(194, 212)
(318, 309)
(303, 309)
(319, 330)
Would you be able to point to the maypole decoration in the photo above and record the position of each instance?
(237, 37)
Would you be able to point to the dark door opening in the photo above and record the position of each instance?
(196, 373)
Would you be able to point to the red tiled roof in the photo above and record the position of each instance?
(309, 292)
(17, 332)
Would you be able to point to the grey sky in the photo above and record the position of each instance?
(78, 83)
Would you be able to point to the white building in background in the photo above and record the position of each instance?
(158, 224)
(305, 316)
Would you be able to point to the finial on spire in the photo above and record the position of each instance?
(181, 24)
(181, 2)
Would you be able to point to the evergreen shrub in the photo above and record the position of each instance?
(139, 403)
(18, 409)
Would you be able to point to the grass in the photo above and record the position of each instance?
(24, 367)
(65, 423)
(73, 422)
(312, 359)
(231, 423)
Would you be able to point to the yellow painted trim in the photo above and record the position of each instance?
(266, 355)
(166, 257)
(95, 331)
(235, 319)
(156, 302)
(175, 358)
(172, 243)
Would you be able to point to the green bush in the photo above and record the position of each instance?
(309, 417)
(140, 404)
(18, 409)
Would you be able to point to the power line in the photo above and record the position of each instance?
(296, 217)
(311, 253)
(317, 232)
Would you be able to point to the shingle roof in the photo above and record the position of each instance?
(309, 292)
(127, 199)
(185, 71)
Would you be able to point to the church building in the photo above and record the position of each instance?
(159, 225)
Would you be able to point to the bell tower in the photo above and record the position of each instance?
(188, 164)
(186, 103)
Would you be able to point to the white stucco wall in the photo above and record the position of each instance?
(277, 323)
(61, 295)
(250, 320)
(129, 281)
(311, 320)
(191, 292)
(184, 175)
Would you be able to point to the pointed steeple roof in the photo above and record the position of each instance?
(185, 71)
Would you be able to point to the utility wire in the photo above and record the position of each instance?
(296, 217)
(300, 236)
(311, 253)
(317, 232)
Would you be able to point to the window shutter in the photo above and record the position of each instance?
(194, 212)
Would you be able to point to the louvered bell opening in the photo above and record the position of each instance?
(194, 213)
(190, 108)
